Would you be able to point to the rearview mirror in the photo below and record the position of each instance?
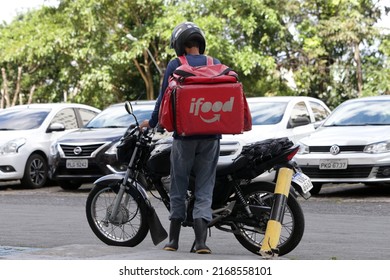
(128, 107)
(299, 121)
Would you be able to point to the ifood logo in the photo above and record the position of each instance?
(198, 105)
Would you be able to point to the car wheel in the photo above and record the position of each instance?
(35, 172)
(316, 188)
(69, 185)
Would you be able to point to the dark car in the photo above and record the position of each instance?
(85, 155)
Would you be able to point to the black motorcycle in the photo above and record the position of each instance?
(120, 212)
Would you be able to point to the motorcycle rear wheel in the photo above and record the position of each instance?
(293, 223)
(130, 226)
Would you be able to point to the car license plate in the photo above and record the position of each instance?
(333, 164)
(76, 163)
(303, 181)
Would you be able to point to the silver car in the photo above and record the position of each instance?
(351, 146)
(26, 133)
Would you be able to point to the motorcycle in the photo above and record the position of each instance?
(120, 213)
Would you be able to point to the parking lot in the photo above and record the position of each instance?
(344, 222)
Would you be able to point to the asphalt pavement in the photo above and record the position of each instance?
(349, 223)
(31, 205)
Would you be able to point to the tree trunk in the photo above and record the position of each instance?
(5, 94)
(2, 98)
(149, 87)
(17, 89)
(30, 96)
(359, 74)
(148, 79)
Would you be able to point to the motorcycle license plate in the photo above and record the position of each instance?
(76, 163)
(303, 181)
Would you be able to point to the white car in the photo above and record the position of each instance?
(283, 116)
(274, 117)
(351, 146)
(27, 132)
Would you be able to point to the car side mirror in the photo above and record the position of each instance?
(299, 121)
(56, 127)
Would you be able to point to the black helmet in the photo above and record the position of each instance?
(187, 31)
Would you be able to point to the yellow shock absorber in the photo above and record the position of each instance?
(274, 225)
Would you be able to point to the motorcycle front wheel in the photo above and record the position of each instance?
(128, 228)
(251, 237)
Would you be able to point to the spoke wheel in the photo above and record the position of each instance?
(128, 228)
(251, 236)
(35, 173)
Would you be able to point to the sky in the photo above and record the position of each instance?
(10, 8)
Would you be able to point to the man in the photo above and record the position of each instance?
(198, 153)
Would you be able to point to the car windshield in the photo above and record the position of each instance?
(117, 116)
(361, 113)
(266, 113)
(22, 119)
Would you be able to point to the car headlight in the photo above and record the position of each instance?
(378, 148)
(112, 149)
(54, 149)
(303, 149)
(12, 147)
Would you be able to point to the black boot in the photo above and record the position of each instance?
(200, 228)
(174, 232)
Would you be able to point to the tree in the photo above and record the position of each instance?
(80, 51)
(31, 46)
(335, 39)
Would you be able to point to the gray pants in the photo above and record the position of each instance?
(201, 157)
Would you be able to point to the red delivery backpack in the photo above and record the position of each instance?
(206, 99)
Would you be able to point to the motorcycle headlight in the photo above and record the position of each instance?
(12, 147)
(378, 148)
(161, 147)
(303, 149)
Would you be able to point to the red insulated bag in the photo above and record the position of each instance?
(204, 100)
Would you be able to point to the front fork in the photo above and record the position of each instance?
(117, 201)
(274, 226)
(122, 188)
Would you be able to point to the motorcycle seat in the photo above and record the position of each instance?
(239, 163)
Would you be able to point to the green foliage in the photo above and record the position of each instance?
(79, 51)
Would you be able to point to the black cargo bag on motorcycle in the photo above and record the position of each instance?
(206, 99)
(259, 152)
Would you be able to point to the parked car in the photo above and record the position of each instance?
(284, 116)
(351, 146)
(272, 117)
(27, 132)
(85, 155)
